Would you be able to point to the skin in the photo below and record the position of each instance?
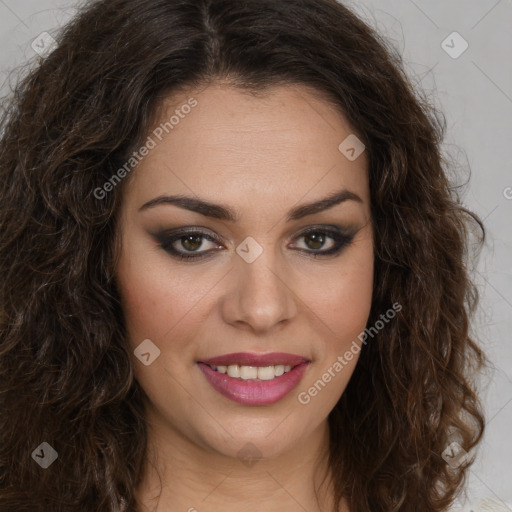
(262, 157)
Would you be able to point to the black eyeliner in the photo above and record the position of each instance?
(166, 238)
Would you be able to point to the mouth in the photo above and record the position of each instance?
(254, 379)
(251, 359)
(257, 373)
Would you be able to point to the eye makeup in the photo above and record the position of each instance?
(185, 244)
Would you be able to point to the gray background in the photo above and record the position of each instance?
(474, 91)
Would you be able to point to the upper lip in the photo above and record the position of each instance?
(251, 359)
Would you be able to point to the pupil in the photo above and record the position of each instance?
(316, 238)
(187, 239)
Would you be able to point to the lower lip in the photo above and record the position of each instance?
(254, 392)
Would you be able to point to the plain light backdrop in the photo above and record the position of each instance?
(468, 76)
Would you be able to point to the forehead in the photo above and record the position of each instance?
(223, 141)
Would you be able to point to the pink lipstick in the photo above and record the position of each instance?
(254, 379)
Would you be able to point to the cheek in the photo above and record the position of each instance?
(343, 302)
(159, 312)
(343, 308)
(154, 305)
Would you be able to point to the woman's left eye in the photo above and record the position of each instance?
(192, 241)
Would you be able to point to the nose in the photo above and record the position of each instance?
(260, 295)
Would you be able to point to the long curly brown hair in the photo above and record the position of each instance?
(65, 366)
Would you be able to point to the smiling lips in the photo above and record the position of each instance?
(254, 379)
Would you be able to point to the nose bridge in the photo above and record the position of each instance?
(260, 296)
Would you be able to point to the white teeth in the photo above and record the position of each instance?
(279, 370)
(253, 372)
(248, 372)
(267, 372)
(234, 370)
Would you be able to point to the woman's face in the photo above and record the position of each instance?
(254, 285)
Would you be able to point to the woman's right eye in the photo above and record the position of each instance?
(186, 245)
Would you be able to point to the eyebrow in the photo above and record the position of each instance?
(218, 211)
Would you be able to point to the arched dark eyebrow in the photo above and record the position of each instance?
(217, 211)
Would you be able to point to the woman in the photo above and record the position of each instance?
(234, 270)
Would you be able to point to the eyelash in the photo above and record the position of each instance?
(166, 242)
